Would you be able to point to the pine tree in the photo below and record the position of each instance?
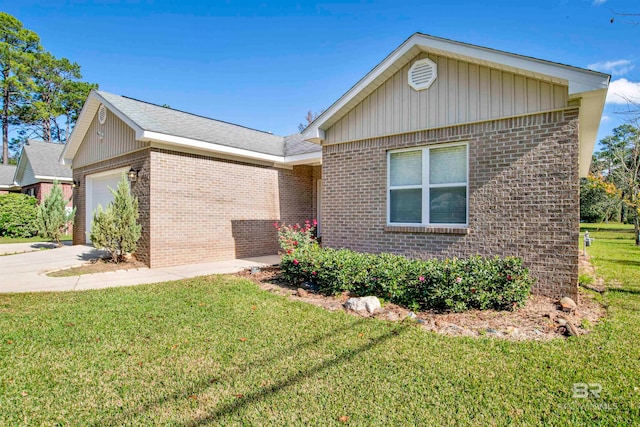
(116, 229)
(52, 217)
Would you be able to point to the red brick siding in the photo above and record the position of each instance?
(208, 209)
(523, 196)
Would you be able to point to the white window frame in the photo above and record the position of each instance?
(426, 187)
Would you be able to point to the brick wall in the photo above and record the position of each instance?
(139, 160)
(523, 196)
(208, 209)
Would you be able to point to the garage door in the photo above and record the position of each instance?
(98, 193)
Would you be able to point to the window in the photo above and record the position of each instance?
(428, 186)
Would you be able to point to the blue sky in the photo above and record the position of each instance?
(264, 64)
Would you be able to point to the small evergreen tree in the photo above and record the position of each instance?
(116, 229)
(52, 217)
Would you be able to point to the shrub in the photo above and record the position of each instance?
(17, 215)
(116, 229)
(52, 217)
(452, 285)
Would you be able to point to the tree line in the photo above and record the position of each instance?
(41, 95)
(611, 192)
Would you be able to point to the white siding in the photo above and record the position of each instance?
(462, 93)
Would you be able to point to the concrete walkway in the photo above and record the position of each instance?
(26, 272)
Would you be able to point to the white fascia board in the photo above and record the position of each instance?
(52, 178)
(302, 159)
(579, 80)
(205, 146)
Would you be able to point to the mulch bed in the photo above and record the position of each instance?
(540, 319)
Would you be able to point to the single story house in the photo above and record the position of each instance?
(38, 167)
(444, 149)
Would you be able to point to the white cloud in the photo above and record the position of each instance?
(616, 68)
(622, 90)
(598, 2)
(604, 119)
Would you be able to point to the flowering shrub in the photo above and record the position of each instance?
(292, 237)
(452, 284)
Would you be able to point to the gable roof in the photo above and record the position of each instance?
(588, 86)
(39, 161)
(168, 126)
(7, 172)
(43, 157)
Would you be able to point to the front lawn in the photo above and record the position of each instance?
(219, 351)
(31, 239)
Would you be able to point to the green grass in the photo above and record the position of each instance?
(219, 351)
(31, 239)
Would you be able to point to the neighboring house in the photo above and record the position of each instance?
(7, 184)
(447, 149)
(39, 166)
(444, 149)
(207, 190)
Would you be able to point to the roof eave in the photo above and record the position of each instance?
(591, 108)
(177, 141)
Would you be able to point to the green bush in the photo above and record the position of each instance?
(17, 215)
(451, 285)
(52, 216)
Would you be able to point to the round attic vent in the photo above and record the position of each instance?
(102, 114)
(422, 74)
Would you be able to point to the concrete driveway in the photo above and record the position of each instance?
(26, 272)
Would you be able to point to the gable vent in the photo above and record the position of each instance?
(102, 114)
(422, 74)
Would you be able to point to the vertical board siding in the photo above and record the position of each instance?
(119, 138)
(462, 93)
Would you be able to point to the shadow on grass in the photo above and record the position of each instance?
(197, 387)
(624, 291)
(240, 403)
(621, 261)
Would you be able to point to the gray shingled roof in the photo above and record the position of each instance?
(295, 144)
(44, 156)
(155, 118)
(7, 172)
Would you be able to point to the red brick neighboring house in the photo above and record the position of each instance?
(38, 167)
(447, 149)
(208, 190)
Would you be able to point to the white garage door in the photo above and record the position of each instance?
(98, 192)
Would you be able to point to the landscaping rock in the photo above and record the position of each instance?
(371, 304)
(568, 305)
(411, 315)
(302, 293)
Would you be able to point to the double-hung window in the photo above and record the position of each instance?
(428, 186)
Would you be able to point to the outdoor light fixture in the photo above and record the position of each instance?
(76, 184)
(100, 134)
(133, 175)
